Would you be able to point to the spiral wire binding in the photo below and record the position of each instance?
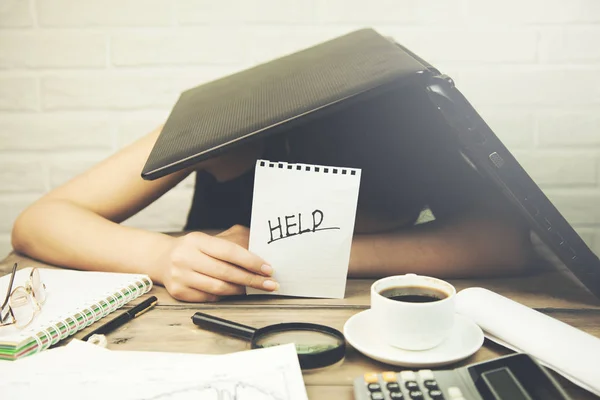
(308, 168)
(44, 338)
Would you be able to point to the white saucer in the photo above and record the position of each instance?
(466, 338)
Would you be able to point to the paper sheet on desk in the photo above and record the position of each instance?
(265, 374)
(565, 349)
(303, 224)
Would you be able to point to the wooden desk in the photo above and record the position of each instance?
(169, 326)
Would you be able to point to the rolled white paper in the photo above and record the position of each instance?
(565, 349)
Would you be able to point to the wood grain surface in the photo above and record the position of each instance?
(168, 327)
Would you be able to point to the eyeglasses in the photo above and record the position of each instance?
(22, 304)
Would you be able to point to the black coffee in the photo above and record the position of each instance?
(414, 294)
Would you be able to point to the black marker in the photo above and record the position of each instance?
(123, 318)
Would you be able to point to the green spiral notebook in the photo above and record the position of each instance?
(74, 300)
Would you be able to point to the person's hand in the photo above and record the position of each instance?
(199, 267)
(237, 234)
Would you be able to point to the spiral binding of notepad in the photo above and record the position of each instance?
(69, 325)
(308, 168)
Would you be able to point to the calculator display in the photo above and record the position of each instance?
(503, 385)
(513, 378)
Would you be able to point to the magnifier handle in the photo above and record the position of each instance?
(221, 325)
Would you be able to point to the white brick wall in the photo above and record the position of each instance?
(81, 78)
(103, 13)
(15, 14)
(18, 93)
(52, 50)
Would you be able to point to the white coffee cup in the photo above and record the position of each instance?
(413, 325)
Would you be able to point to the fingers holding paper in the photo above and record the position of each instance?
(229, 263)
(212, 286)
(236, 251)
(201, 267)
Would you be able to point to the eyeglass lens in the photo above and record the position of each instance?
(39, 292)
(22, 307)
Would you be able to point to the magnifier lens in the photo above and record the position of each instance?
(307, 342)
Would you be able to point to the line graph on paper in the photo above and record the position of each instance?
(271, 387)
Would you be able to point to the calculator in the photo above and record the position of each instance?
(513, 377)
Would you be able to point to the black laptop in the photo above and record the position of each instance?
(319, 81)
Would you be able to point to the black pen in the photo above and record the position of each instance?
(123, 318)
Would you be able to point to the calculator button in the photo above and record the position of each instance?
(416, 395)
(377, 396)
(371, 377)
(389, 376)
(454, 393)
(374, 387)
(411, 385)
(393, 387)
(436, 394)
(430, 384)
(426, 374)
(396, 395)
(408, 376)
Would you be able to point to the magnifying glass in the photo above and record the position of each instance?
(316, 345)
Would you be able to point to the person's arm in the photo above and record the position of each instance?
(77, 225)
(476, 243)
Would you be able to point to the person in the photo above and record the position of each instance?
(407, 167)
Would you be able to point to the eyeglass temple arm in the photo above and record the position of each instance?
(12, 278)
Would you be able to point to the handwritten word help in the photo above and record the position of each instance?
(292, 225)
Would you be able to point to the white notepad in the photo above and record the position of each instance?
(302, 225)
(75, 300)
